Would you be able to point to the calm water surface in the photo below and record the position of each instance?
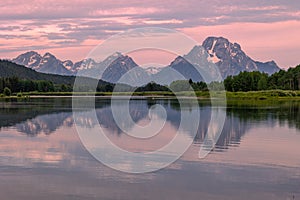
(256, 157)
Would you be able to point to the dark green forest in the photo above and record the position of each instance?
(255, 81)
(15, 85)
(249, 81)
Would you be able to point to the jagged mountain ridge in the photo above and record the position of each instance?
(229, 57)
(47, 63)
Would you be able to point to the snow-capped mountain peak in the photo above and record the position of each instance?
(68, 64)
(30, 59)
(231, 59)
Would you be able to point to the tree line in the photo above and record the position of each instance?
(15, 85)
(244, 81)
(254, 81)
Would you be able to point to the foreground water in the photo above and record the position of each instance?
(256, 157)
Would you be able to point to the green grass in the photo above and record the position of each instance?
(263, 95)
(253, 95)
(204, 94)
(14, 98)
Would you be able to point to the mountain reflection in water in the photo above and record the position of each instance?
(47, 115)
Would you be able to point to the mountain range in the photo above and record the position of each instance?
(228, 57)
(9, 69)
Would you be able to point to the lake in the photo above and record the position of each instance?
(257, 155)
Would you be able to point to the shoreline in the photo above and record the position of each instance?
(251, 95)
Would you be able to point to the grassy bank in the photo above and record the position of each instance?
(98, 93)
(256, 95)
(150, 94)
(265, 94)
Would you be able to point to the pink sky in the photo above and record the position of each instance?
(266, 30)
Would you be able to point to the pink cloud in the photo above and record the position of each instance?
(124, 11)
(158, 22)
(265, 29)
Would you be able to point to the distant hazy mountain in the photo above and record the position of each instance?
(228, 56)
(179, 69)
(231, 60)
(118, 68)
(195, 65)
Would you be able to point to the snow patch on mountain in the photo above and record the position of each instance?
(213, 58)
(152, 70)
